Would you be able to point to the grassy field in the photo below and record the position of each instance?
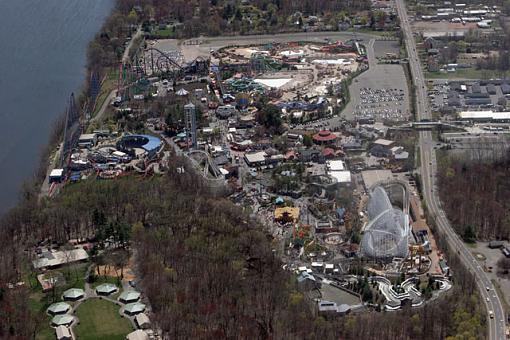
(166, 33)
(100, 319)
(106, 87)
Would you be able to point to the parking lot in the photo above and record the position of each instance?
(386, 48)
(380, 93)
(465, 95)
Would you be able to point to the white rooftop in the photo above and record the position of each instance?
(484, 115)
(56, 173)
(336, 165)
(272, 82)
(341, 176)
(138, 335)
(62, 332)
(257, 157)
(384, 142)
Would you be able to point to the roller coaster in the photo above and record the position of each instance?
(154, 61)
(202, 160)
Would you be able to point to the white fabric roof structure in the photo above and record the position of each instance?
(74, 293)
(59, 308)
(386, 235)
(60, 320)
(129, 296)
(106, 288)
(277, 83)
(134, 308)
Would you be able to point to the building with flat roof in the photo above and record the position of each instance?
(255, 158)
(138, 335)
(87, 140)
(384, 142)
(485, 116)
(56, 175)
(53, 258)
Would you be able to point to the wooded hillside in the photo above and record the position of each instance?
(475, 196)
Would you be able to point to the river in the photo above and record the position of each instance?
(42, 60)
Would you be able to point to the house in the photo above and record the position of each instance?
(431, 43)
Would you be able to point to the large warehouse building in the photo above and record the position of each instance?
(485, 116)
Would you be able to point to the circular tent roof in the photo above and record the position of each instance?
(134, 308)
(129, 296)
(324, 136)
(74, 293)
(106, 288)
(62, 320)
(59, 308)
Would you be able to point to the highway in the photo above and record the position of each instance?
(428, 170)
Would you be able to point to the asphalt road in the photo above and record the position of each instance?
(489, 295)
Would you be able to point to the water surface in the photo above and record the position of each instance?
(42, 60)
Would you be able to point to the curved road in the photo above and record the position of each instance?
(489, 295)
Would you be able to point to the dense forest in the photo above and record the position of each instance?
(208, 270)
(475, 196)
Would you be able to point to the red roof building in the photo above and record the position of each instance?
(324, 137)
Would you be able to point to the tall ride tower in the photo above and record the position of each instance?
(191, 124)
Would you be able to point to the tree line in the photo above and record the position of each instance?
(475, 196)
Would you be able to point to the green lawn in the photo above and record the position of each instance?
(166, 33)
(100, 319)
